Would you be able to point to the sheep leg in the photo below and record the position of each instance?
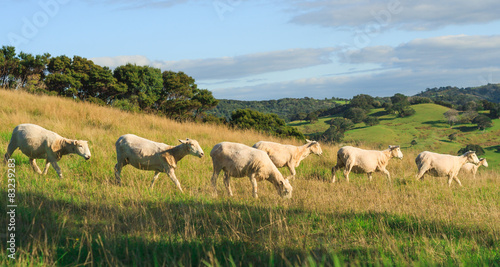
(157, 173)
(34, 166)
(421, 172)
(458, 181)
(57, 168)
(387, 173)
(47, 166)
(227, 184)
(215, 175)
(292, 171)
(347, 170)
(254, 186)
(171, 174)
(334, 170)
(118, 170)
(369, 176)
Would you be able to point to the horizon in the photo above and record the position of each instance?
(251, 51)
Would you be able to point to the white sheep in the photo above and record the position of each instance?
(367, 161)
(470, 168)
(239, 160)
(39, 143)
(288, 155)
(443, 165)
(148, 155)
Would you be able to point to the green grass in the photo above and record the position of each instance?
(428, 127)
(86, 220)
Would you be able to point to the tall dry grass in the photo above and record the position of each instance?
(84, 219)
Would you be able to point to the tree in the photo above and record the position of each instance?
(269, 123)
(470, 147)
(338, 127)
(452, 137)
(452, 116)
(142, 81)
(362, 101)
(482, 122)
(180, 96)
(371, 121)
(9, 64)
(356, 115)
(312, 117)
(400, 105)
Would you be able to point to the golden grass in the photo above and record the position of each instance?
(84, 219)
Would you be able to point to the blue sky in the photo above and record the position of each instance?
(255, 50)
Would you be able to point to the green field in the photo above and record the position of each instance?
(428, 127)
(85, 219)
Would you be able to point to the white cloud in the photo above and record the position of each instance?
(233, 67)
(402, 14)
(444, 52)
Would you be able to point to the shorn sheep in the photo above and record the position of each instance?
(288, 155)
(443, 165)
(471, 168)
(366, 161)
(148, 155)
(239, 160)
(39, 143)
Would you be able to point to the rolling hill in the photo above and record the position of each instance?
(428, 127)
(86, 220)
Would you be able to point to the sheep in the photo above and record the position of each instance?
(367, 161)
(469, 168)
(239, 160)
(148, 155)
(37, 142)
(443, 165)
(288, 155)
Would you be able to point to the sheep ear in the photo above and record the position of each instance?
(170, 159)
(307, 140)
(182, 141)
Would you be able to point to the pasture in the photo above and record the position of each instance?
(85, 219)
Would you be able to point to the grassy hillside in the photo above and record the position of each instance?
(428, 127)
(84, 219)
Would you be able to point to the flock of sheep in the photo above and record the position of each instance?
(260, 162)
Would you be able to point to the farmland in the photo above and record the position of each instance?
(85, 219)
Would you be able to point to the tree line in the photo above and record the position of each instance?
(129, 87)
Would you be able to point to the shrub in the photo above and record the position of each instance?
(479, 150)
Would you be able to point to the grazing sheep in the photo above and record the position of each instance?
(148, 155)
(443, 165)
(367, 161)
(39, 143)
(288, 155)
(239, 160)
(470, 168)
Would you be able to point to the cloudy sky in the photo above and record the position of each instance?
(255, 50)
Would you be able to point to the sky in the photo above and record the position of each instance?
(260, 50)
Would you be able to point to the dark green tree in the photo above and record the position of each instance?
(356, 115)
(181, 98)
(142, 81)
(9, 66)
(269, 123)
(482, 121)
(371, 121)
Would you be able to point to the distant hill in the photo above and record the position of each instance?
(285, 108)
(460, 96)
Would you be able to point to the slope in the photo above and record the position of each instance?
(84, 219)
